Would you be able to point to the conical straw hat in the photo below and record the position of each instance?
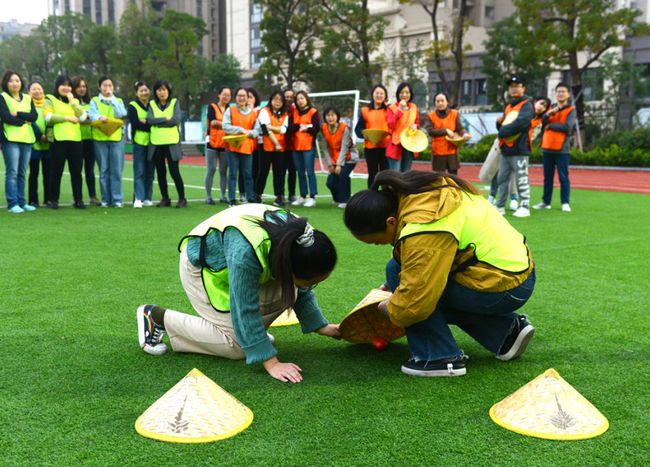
(235, 140)
(108, 127)
(414, 140)
(195, 410)
(457, 141)
(287, 318)
(548, 407)
(365, 321)
(374, 135)
(511, 117)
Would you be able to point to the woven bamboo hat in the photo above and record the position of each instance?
(414, 140)
(456, 141)
(375, 136)
(287, 318)
(365, 322)
(511, 117)
(235, 140)
(108, 127)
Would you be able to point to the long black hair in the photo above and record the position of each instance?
(372, 101)
(60, 81)
(161, 83)
(366, 212)
(289, 259)
(7, 76)
(75, 82)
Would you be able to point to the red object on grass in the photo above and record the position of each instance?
(379, 343)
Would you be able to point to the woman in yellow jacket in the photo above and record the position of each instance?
(456, 260)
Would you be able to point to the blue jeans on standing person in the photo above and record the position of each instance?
(304, 162)
(143, 173)
(402, 165)
(339, 185)
(110, 157)
(16, 156)
(488, 317)
(236, 162)
(551, 160)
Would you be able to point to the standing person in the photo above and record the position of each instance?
(108, 148)
(40, 149)
(240, 119)
(82, 93)
(273, 122)
(373, 117)
(288, 153)
(455, 261)
(215, 151)
(164, 116)
(402, 115)
(143, 166)
(63, 113)
(305, 125)
(341, 155)
(444, 122)
(558, 126)
(254, 103)
(240, 269)
(17, 112)
(514, 141)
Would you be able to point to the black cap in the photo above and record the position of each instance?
(515, 79)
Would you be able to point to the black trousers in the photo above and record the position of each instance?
(63, 151)
(89, 166)
(265, 161)
(34, 168)
(161, 155)
(291, 172)
(376, 162)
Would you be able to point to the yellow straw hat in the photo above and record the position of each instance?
(108, 127)
(374, 135)
(511, 117)
(235, 140)
(365, 322)
(456, 141)
(414, 140)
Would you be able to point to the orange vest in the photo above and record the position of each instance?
(554, 140)
(216, 134)
(247, 122)
(439, 144)
(405, 121)
(334, 141)
(510, 108)
(275, 121)
(303, 140)
(375, 119)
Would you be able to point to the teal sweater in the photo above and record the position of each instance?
(233, 251)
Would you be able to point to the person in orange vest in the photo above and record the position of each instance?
(288, 142)
(373, 117)
(215, 149)
(341, 155)
(402, 115)
(514, 142)
(305, 126)
(445, 122)
(558, 124)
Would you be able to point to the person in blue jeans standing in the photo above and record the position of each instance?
(143, 167)
(304, 125)
(456, 260)
(341, 155)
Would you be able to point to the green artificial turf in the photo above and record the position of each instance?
(73, 379)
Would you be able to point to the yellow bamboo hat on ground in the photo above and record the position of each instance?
(456, 140)
(375, 136)
(195, 410)
(550, 408)
(414, 140)
(235, 140)
(511, 117)
(365, 322)
(108, 127)
(287, 318)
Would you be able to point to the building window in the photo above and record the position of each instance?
(489, 12)
(66, 4)
(199, 8)
(480, 92)
(466, 90)
(256, 13)
(255, 34)
(419, 93)
(98, 11)
(86, 8)
(111, 11)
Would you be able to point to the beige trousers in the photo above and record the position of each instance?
(212, 332)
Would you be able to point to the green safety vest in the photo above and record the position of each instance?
(106, 110)
(477, 224)
(86, 128)
(140, 137)
(23, 133)
(216, 283)
(40, 123)
(64, 131)
(164, 135)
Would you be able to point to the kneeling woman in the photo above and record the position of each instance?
(456, 260)
(241, 268)
(341, 155)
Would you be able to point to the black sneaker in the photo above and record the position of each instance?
(517, 340)
(210, 201)
(150, 334)
(279, 201)
(182, 203)
(233, 202)
(449, 367)
(164, 203)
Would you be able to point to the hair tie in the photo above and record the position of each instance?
(307, 238)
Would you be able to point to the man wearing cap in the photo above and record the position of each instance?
(515, 146)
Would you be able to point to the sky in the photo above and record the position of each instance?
(25, 11)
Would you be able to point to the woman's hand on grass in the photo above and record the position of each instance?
(285, 372)
(330, 330)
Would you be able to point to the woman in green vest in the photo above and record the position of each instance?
(143, 168)
(17, 113)
(40, 149)
(456, 260)
(81, 92)
(164, 116)
(240, 269)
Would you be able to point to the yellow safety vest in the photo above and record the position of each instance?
(242, 218)
(86, 129)
(106, 110)
(64, 131)
(140, 137)
(23, 133)
(42, 127)
(477, 224)
(164, 135)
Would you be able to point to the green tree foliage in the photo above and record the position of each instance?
(225, 70)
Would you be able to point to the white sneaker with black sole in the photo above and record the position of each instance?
(150, 334)
(437, 368)
(517, 340)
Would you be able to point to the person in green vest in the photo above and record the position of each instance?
(240, 269)
(40, 149)
(81, 92)
(164, 116)
(17, 113)
(143, 168)
(456, 260)
(109, 146)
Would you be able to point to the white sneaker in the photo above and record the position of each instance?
(522, 212)
(513, 205)
(118, 205)
(501, 211)
(299, 201)
(310, 202)
(542, 206)
(147, 203)
(271, 337)
(104, 204)
(137, 204)
(566, 207)
(491, 199)
(342, 205)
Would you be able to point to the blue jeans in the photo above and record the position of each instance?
(304, 162)
(110, 156)
(339, 185)
(550, 161)
(16, 156)
(402, 165)
(236, 162)
(143, 173)
(488, 317)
